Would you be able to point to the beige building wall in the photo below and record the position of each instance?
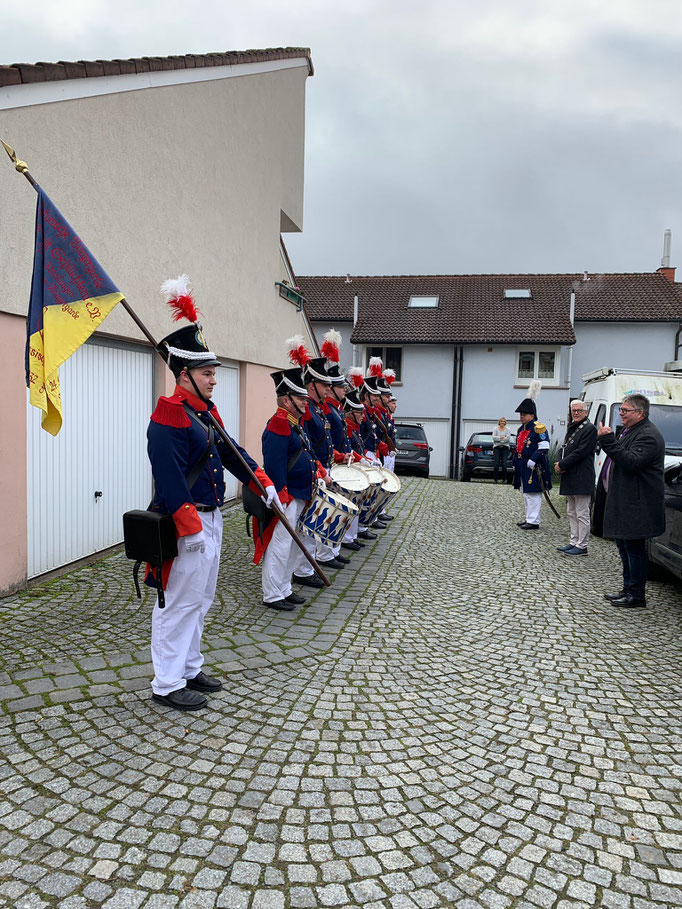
(13, 540)
(197, 178)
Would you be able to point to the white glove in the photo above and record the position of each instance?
(531, 465)
(271, 497)
(195, 542)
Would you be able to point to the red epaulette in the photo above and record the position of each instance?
(170, 412)
(279, 424)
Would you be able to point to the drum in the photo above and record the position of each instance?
(390, 485)
(368, 506)
(327, 516)
(349, 482)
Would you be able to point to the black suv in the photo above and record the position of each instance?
(478, 457)
(413, 453)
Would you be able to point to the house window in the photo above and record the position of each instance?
(522, 293)
(538, 364)
(391, 357)
(423, 302)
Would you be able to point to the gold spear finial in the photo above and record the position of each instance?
(21, 166)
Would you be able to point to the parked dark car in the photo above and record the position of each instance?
(477, 457)
(666, 551)
(413, 454)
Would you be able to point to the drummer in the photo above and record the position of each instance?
(373, 430)
(354, 412)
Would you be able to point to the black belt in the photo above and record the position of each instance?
(205, 507)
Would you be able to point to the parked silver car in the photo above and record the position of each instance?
(413, 453)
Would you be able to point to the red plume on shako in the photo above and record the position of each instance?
(298, 354)
(356, 376)
(389, 376)
(331, 345)
(177, 294)
(376, 366)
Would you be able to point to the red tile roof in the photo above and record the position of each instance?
(19, 73)
(472, 309)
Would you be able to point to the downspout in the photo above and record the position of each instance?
(355, 322)
(456, 409)
(570, 349)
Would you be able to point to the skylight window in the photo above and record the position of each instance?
(517, 294)
(423, 302)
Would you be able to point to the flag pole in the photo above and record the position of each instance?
(22, 168)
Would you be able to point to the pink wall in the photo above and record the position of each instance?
(13, 529)
(257, 404)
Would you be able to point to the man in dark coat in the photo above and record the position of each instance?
(576, 468)
(635, 494)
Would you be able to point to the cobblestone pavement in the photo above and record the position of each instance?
(460, 720)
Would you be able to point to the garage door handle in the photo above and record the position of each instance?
(98, 495)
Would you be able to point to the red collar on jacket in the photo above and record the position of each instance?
(190, 398)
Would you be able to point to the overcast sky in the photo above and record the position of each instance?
(443, 136)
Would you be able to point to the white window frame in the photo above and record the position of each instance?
(536, 351)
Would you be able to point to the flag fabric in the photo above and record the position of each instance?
(71, 295)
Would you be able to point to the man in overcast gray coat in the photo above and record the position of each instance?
(635, 494)
(576, 468)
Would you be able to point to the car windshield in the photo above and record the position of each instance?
(666, 417)
(481, 438)
(410, 433)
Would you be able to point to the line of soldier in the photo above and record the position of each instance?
(321, 419)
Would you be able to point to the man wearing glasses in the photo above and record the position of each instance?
(635, 494)
(576, 467)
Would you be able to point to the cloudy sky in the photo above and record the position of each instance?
(443, 136)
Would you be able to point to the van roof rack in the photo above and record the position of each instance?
(603, 371)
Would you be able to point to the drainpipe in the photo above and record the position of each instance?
(570, 349)
(456, 411)
(355, 321)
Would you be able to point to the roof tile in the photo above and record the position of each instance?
(472, 308)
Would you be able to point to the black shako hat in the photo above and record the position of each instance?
(186, 348)
(289, 382)
(315, 370)
(352, 402)
(335, 374)
(371, 384)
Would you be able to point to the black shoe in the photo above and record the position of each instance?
(628, 602)
(378, 525)
(203, 682)
(295, 599)
(308, 580)
(520, 523)
(342, 559)
(614, 596)
(366, 535)
(281, 605)
(182, 699)
(354, 547)
(360, 544)
(331, 564)
(561, 548)
(387, 517)
(527, 526)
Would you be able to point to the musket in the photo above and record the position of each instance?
(22, 167)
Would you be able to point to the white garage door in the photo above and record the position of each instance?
(438, 435)
(107, 397)
(226, 397)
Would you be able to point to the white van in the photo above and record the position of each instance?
(604, 389)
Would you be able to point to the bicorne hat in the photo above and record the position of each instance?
(528, 404)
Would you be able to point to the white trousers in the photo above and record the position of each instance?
(351, 534)
(389, 461)
(319, 551)
(578, 511)
(177, 628)
(532, 502)
(281, 556)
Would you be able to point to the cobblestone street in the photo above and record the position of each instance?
(460, 720)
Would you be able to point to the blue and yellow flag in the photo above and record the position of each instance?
(71, 295)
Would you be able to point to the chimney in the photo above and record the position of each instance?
(665, 268)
